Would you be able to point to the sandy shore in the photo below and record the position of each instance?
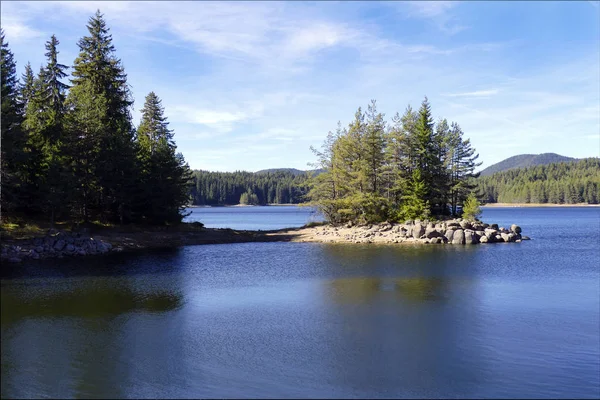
(491, 205)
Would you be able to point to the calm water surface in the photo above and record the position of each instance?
(311, 320)
(254, 218)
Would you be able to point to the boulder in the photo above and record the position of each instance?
(498, 238)
(70, 248)
(418, 230)
(525, 238)
(449, 234)
(515, 228)
(458, 237)
(39, 249)
(494, 226)
(471, 237)
(507, 237)
(431, 232)
(465, 224)
(483, 239)
(59, 245)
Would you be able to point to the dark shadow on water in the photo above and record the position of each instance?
(155, 261)
(88, 301)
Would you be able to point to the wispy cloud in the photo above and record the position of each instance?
(477, 93)
(18, 31)
(439, 12)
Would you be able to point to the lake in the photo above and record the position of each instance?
(254, 218)
(271, 320)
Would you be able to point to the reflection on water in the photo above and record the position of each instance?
(85, 301)
(364, 289)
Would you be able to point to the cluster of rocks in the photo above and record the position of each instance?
(457, 231)
(53, 245)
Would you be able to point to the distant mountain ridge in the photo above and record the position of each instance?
(525, 160)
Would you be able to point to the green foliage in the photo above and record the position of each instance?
(72, 153)
(411, 169)
(471, 210)
(249, 198)
(559, 183)
(415, 205)
(226, 188)
(13, 156)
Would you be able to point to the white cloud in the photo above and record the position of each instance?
(17, 31)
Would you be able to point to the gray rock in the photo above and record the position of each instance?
(494, 226)
(506, 237)
(459, 237)
(471, 237)
(59, 245)
(449, 234)
(39, 249)
(70, 248)
(465, 224)
(35, 256)
(418, 230)
(14, 260)
(430, 232)
(515, 228)
(81, 252)
(525, 238)
(483, 239)
(498, 238)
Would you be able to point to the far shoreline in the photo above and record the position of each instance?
(508, 205)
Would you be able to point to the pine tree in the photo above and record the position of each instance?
(471, 210)
(165, 173)
(414, 204)
(462, 164)
(103, 150)
(26, 88)
(12, 156)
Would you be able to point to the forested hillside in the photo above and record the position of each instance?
(281, 186)
(411, 168)
(70, 151)
(525, 160)
(565, 182)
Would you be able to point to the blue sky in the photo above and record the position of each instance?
(252, 85)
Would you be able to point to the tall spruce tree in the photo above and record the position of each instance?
(12, 154)
(26, 87)
(103, 152)
(462, 164)
(166, 176)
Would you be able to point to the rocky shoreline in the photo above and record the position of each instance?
(60, 244)
(54, 245)
(457, 231)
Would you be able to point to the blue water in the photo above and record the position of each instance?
(271, 320)
(254, 218)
